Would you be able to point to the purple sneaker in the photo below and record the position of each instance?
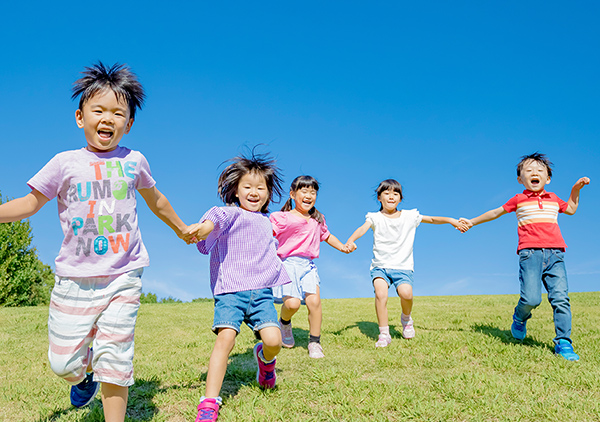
(287, 336)
(265, 375)
(208, 411)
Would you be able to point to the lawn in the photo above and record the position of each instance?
(463, 365)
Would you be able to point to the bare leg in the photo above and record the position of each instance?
(381, 298)
(289, 308)
(315, 313)
(114, 401)
(217, 366)
(405, 292)
(271, 338)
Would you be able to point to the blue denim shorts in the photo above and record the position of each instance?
(393, 277)
(254, 307)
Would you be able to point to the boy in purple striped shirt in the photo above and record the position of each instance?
(244, 267)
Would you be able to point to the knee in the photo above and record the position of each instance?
(531, 302)
(67, 368)
(293, 304)
(313, 301)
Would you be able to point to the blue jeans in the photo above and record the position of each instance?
(545, 266)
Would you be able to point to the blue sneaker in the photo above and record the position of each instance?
(565, 349)
(83, 393)
(518, 329)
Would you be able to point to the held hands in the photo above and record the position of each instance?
(463, 224)
(349, 247)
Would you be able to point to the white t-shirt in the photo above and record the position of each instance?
(393, 239)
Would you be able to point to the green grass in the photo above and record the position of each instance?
(463, 365)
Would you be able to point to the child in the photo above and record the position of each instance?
(541, 248)
(99, 267)
(300, 230)
(243, 269)
(392, 264)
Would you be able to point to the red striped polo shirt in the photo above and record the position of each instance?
(537, 217)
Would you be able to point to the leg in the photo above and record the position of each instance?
(315, 313)
(114, 401)
(555, 281)
(405, 291)
(217, 366)
(289, 308)
(381, 298)
(530, 279)
(271, 338)
(264, 354)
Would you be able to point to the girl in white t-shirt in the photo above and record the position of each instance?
(300, 229)
(392, 264)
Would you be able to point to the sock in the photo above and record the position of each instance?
(284, 322)
(314, 339)
(218, 399)
(405, 318)
(261, 356)
(384, 330)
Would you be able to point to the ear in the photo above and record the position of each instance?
(128, 126)
(79, 118)
(548, 182)
(519, 179)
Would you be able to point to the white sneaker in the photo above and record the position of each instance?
(408, 329)
(315, 350)
(384, 340)
(287, 336)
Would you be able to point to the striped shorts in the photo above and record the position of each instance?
(97, 311)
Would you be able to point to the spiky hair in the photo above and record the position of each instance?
(261, 164)
(536, 156)
(118, 78)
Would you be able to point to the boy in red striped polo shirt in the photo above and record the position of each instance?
(541, 248)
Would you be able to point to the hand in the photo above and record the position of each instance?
(191, 235)
(581, 183)
(464, 224)
(350, 247)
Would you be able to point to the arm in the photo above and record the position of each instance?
(160, 206)
(23, 207)
(358, 233)
(485, 217)
(459, 225)
(199, 231)
(335, 242)
(573, 202)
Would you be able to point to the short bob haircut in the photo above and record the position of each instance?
(536, 156)
(260, 164)
(389, 184)
(304, 182)
(118, 78)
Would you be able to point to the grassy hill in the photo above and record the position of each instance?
(463, 365)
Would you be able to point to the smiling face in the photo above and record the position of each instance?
(252, 192)
(304, 199)
(104, 119)
(389, 200)
(534, 176)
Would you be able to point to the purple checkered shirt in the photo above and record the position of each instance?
(243, 251)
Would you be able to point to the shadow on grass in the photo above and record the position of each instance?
(506, 337)
(369, 329)
(140, 406)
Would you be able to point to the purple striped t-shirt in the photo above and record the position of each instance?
(243, 251)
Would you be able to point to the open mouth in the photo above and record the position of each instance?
(105, 134)
(535, 181)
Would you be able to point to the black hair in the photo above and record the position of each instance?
(261, 164)
(536, 156)
(119, 78)
(389, 184)
(304, 182)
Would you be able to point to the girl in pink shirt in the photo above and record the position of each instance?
(300, 229)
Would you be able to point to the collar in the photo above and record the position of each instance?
(531, 194)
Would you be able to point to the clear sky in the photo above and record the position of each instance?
(442, 96)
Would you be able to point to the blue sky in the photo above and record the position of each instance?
(442, 96)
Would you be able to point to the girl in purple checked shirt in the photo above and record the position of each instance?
(243, 269)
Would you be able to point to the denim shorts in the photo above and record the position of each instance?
(393, 277)
(254, 307)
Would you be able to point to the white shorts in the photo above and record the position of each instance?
(304, 276)
(102, 310)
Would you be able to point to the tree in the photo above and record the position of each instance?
(24, 279)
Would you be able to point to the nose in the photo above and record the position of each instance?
(107, 118)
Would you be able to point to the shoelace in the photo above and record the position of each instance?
(269, 375)
(206, 414)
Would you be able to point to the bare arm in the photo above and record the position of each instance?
(23, 207)
(573, 202)
(335, 242)
(358, 233)
(485, 217)
(460, 225)
(161, 207)
(200, 231)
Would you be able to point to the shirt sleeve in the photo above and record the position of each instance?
(562, 205)
(369, 218)
(48, 180)
(324, 230)
(144, 179)
(511, 205)
(221, 219)
(417, 218)
(279, 221)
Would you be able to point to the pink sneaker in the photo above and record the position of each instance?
(408, 329)
(384, 340)
(265, 375)
(315, 350)
(287, 336)
(208, 411)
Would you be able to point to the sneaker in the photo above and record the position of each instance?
(265, 375)
(315, 350)
(408, 329)
(518, 329)
(287, 336)
(565, 349)
(384, 340)
(208, 411)
(83, 393)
